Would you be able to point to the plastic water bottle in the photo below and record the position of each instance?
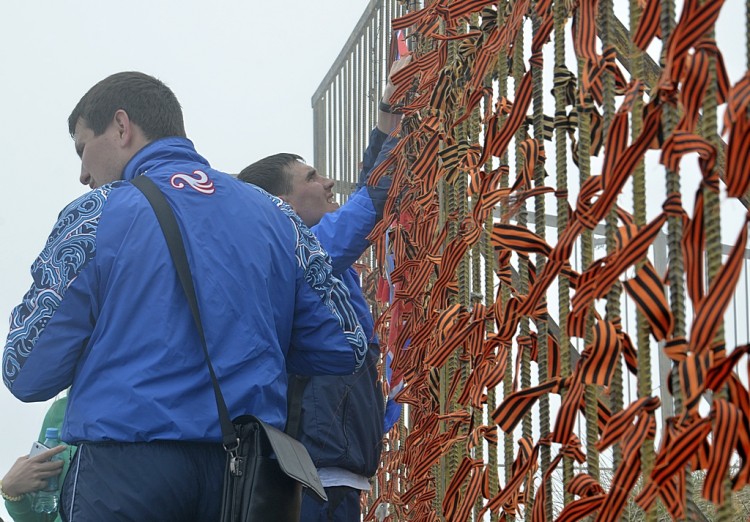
(48, 499)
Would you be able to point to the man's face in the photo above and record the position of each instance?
(311, 196)
(102, 160)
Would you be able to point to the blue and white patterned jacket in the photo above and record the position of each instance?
(106, 314)
(341, 420)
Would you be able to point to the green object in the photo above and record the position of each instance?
(22, 511)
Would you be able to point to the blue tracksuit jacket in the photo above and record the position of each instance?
(341, 421)
(106, 315)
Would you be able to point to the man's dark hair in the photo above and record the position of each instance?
(271, 173)
(149, 103)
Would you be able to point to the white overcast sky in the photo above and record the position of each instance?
(244, 71)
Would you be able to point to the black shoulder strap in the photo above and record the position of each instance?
(172, 234)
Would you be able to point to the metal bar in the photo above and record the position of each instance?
(372, 7)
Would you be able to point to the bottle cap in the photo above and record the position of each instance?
(52, 433)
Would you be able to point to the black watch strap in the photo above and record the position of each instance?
(390, 109)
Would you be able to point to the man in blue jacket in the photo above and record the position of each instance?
(341, 418)
(107, 316)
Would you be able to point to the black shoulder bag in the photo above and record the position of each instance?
(266, 468)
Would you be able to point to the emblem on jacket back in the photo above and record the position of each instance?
(198, 180)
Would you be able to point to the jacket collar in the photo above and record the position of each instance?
(160, 151)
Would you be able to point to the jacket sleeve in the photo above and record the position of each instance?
(22, 511)
(344, 233)
(327, 337)
(53, 323)
(369, 158)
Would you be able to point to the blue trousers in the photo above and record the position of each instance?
(160, 481)
(342, 506)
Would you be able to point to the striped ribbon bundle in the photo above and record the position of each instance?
(461, 46)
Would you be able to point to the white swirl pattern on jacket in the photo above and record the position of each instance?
(71, 244)
(318, 268)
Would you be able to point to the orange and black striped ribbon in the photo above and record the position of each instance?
(475, 330)
(584, 30)
(692, 375)
(581, 508)
(593, 75)
(542, 35)
(567, 414)
(531, 151)
(693, 246)
(513, 24)
(543, 282)
(738, 395)
(672, 490)
(628, 470)
(488, 433)
(506, 319)
(623, 168)
(553, 353)
(389, 162)
(617, 140)
(737, 173)
(417, 281)
(412, 18)
(721, 370)
(453, 507)
(648, 25)
(592, 496)
(466, 7)
(497, 145)
(680, 143)
(621, 424)
(493, 373)
(616, 263)
(693, 90)
(696, 21)
(543, 7)
(482, 209)
(510, 412)
(453, 336)
(486, 57)
(647, 291)
(629, 352)
(688, 438)
(443, 94)
(571, 449)
(600, 358)
(425, 167)
(726, 425)
(446, 281)
(585, 294)
(522, 467)
(471, 101)
(519, 239)
(712, 307)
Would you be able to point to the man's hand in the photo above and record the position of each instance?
(30, 474)
(395, 67)
(387, 122)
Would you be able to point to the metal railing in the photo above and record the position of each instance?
(345, 104)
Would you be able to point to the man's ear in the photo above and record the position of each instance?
(130, 134)
(121, 122)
